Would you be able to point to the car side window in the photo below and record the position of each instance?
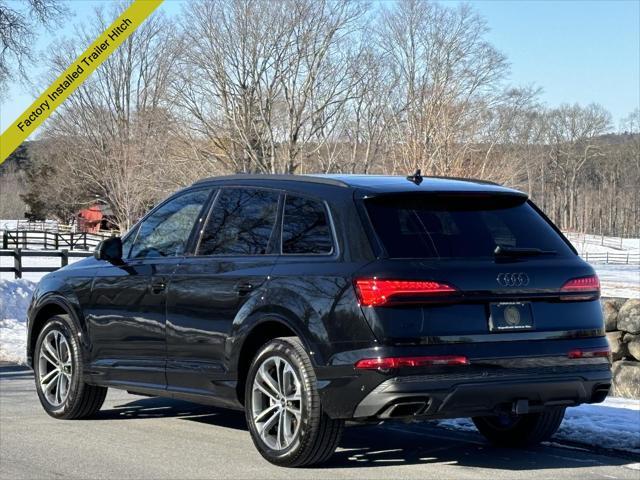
(241, 223)
(166, 231)
(305, 228)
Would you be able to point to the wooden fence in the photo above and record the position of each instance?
(44, 239)
(580, 239)
(18, 254)
(51, 226)
(612, 258)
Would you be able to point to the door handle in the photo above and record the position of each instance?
(244, 288)
(158, 287)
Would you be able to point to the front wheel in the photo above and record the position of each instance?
(509, 430)
(283, 409)
(58, 369)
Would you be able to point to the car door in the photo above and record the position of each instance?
(127, 310)
(231, 263)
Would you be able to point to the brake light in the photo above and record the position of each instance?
(582, 284)
(590, 353)
(374, 291)
(388, 363)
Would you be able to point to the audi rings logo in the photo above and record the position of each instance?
(513, 279)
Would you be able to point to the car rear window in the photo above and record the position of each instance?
(459, 225)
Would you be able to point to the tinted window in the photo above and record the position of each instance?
(305, 228)
(166, 231)
(459, 226)
(241, 223)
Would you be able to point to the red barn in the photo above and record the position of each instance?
(89, 219)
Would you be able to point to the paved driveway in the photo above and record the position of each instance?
(138, 437)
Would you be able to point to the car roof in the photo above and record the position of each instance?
(374, 184)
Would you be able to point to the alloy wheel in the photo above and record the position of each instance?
(55, 368)
(276, 403)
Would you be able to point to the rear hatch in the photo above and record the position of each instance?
(466, 267)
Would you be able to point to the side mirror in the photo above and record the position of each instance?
(109, 250)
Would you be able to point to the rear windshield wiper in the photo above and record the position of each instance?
(501, 251)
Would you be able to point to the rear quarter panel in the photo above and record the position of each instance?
(318, 300)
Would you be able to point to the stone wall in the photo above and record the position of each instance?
(622, 323)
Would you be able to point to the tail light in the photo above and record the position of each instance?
(590, 284)
(388, 363)
(374, 291)
(589, 353)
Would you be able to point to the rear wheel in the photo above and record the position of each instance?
(58, 371)
(283, 409)
(520, 430)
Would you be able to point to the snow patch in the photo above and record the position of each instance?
(13, 340)
(586, 243)
(619, 280)
(8, 224)
(15, 296)
(616, 279)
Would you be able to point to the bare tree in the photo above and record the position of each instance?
(52, 192)
(300, 86)
(19, 21)
(573, 132)
(113, 132)
(12, 186)
(368, 113)
(448, 75)
(507, 138)
(265, 78)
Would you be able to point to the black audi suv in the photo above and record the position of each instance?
(309, 301)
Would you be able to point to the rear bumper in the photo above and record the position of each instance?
(498, 376)
(431, 397)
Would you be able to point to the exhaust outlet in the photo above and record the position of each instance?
(404, 409)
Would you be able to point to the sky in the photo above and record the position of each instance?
(576, 51)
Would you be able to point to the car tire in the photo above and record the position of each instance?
(520, 430)
(281, 385)
(59, 367)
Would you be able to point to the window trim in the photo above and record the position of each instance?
(132, 232)
(197, 236)
(332, 231)
(213, 204)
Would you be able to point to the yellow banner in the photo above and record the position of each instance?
(73, 76)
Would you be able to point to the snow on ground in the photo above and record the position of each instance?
(616, 280)
(15, 296)
(8, 224)
(619, 280)
(611, 425)
(598, 244)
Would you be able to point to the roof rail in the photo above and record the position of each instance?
(281, 177)
(467, 179)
